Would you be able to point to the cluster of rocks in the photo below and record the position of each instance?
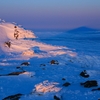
(87, 84)
(18, 72)
(16, 35)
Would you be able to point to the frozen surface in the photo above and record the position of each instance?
(45, 65)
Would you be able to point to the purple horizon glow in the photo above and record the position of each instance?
(52, 14)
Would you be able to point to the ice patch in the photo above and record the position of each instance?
(46, 86)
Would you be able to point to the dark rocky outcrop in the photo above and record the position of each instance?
(16, 73)
(16, 33)
(84, 74)
(66, 84)
(25, 64)
(8, 44)
(54, 62)
(56, 98)
(63, 79)
(18, 67)
(13, 97)
(89, 84)
(97, 89)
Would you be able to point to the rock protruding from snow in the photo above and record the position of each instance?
(66, 84)
(10, 31)
(84, 74)
(89, 84)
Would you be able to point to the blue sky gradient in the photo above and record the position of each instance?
(52, 14)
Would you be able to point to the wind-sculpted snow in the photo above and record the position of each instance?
(46, 87)
(7, 31)
(15, 39)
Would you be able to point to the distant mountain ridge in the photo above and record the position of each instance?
(82, 29)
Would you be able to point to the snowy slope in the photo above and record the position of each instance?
(7, 32)
(33, 70)
(24, 45)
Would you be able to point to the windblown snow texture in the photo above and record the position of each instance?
(59, 66)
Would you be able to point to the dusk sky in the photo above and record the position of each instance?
(51, 14)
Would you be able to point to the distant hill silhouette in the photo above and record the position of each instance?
(82, 29)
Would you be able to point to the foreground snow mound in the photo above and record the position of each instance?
(46, 86)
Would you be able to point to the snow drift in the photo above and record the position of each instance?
(16, 40)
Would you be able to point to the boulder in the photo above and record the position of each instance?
(66, 84)
(25, 64)
(56, 98)
(16, 73)
(8, 44)
(84, 74)
(54, 62)
(98, 89)
(89, 84)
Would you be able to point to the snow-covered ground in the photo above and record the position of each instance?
(48, 65)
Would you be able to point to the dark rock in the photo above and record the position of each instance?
(15, 26)
(66, 84)
(25, 64)
(16, 73)
(56, 98)
(89, 84)
(13, 97)
(18, 67)
(16, 33)
(54, 62)
(98, 89)
(63, 79)
(8, 44)
(84, 74)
